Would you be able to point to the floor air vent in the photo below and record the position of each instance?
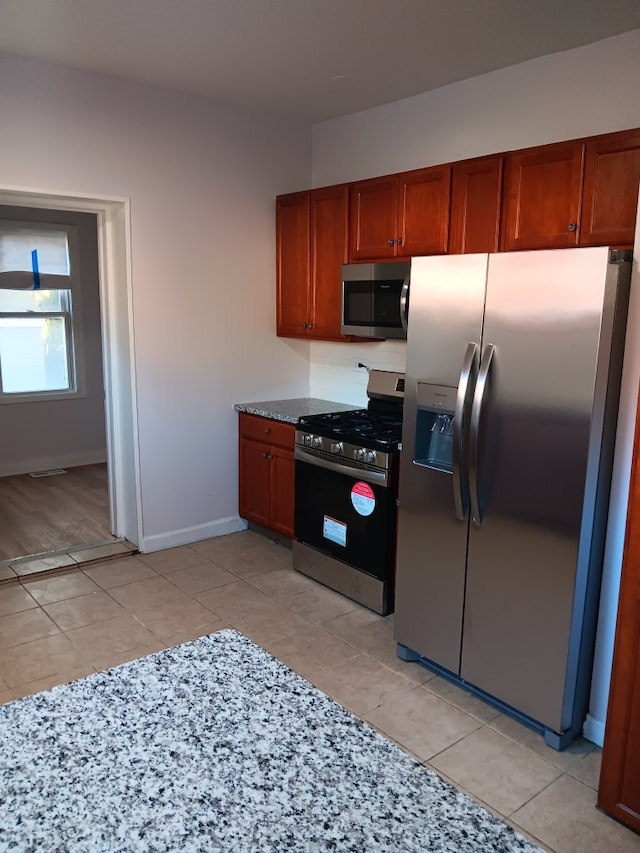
(49, 473)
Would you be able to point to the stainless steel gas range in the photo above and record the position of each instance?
(346, 489)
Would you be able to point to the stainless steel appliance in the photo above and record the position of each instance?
(512, 387)
(375, 300)
(346, 488)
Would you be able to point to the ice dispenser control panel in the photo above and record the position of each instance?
(434, 426)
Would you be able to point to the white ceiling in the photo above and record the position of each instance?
(307, 59)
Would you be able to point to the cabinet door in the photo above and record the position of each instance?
(329, 250)
(374, 219)
(424, 211)
(292, 264)
(254, 481)
(476, 194)
(619, 791)
(611, 180)
(542, 197)
(282, 491)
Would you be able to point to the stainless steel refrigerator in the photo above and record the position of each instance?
(511, 396)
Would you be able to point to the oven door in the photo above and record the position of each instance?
(346, 512)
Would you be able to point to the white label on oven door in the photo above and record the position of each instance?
(334, 530)
(363, 498)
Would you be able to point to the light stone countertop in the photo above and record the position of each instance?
(291, 411)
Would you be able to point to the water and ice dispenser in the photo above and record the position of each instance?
(434, 426)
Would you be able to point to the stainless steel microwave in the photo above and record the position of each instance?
(375, 300)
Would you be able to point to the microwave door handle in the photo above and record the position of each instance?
(474, 432)
(404, 304)
(463, 400)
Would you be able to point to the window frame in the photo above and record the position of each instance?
(72, 316)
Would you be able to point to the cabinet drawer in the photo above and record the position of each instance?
(266, 430)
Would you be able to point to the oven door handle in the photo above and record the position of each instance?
(377, 477)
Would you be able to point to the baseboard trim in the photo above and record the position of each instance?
(189, 535)
(46, 463)
(593, 730)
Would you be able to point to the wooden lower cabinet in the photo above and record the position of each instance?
(619, 791)
(266, 472)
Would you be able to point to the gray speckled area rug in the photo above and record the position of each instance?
(215, 745)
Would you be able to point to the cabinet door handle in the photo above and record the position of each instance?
(571, 226)
(265, 455)
(391, 241)
(309, 325)
(269, 456)
(267, 430)
(399, 241)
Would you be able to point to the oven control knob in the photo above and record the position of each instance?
(337, 447)
(316, 441)
(369, 456)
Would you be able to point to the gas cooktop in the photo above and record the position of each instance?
(377, 426)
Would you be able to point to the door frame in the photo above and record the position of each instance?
(118, 349)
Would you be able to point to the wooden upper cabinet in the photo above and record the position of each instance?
(619, 790)
(373, 207)
(400, 215)
(542, 197)
(311, 245)
(476, 194)
(423, 213)
(292, 263)
(329, 250)
(611, 181)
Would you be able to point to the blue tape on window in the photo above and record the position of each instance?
(36, 270)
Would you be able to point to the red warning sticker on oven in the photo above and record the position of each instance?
(363, 498)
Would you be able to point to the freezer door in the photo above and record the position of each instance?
(445, 318)
(535, 426)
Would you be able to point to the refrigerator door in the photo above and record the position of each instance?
(534, 436)
(445, 317)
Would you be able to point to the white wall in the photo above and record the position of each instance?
(201, 179)
(589, 90)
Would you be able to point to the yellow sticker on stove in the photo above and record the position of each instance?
(363, 498)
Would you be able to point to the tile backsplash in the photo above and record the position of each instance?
(334, 374)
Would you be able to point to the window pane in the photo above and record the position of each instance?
(34, 300)
(33, 355)
(16, 245)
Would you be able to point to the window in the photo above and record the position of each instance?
(40, 353)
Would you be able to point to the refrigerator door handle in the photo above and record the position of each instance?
(460, 486)
(404, 305)
(474, 431)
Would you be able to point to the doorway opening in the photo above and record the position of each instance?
(102, 494)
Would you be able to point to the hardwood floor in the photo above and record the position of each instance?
(55, 512)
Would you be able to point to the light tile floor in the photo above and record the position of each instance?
(58, 627)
